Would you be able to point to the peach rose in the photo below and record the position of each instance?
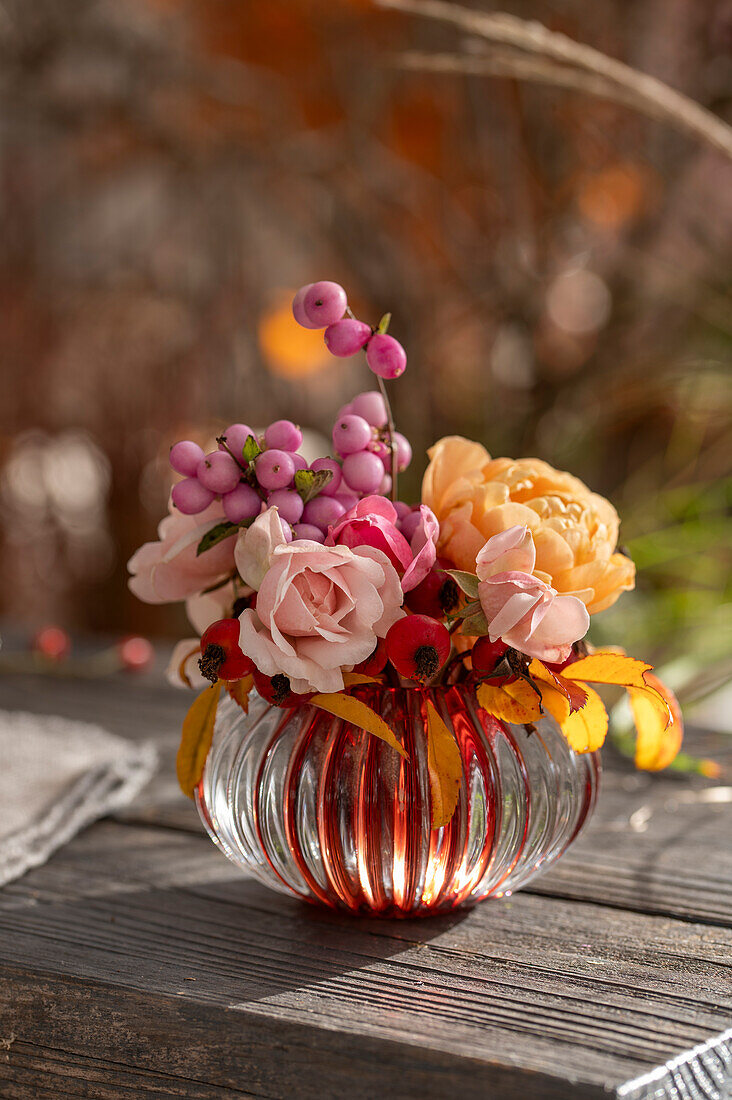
(169, 570)
(575, 531)
(320, 609)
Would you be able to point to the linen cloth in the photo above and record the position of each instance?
(56, 777)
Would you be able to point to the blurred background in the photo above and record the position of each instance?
(558, 267)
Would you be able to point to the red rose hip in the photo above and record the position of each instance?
(418, 647)
(486, 655)
(221, 657)
(277, 691)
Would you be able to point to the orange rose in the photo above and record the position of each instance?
(575, 531)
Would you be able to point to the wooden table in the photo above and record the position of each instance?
(140, 963)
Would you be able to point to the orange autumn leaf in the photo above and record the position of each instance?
(445, 768)
(354, 711)
(586, 729)
(239, 691)
(196, 737)
(516, 702)
(657, 742)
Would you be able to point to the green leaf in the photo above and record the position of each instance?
(474, 621)
(215, 535)
(468, 582)
(251, 449)
(311, 482)
(383, 325)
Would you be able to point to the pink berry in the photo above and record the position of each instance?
(242, 503)
(299, 462)
(346, 337)
(330, 464)
(288, 503)
(284, 435)
(402, 509)
(372, 407)
(322, 512)
(298, 311)
(348, 499)
(385, 487)
(345, 410)
(218, 472)
(404, 451)
(324, 303)
(351, 434)
(386, 356)
(275, 469)
(309, 531)
(382, 451)
(410, 524)
(234, 438)
(363, 472)
(286, 530)
(185, 456)
(190, 497)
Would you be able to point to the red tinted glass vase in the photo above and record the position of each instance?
(317, 807)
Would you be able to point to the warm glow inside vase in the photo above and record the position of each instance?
(318, 808)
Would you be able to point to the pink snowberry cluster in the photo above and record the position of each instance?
(324, 305)
(250, 472)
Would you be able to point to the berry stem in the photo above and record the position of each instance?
(222, 441)
(391, 428)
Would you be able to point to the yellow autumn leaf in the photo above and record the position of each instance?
(239, 691)
(572, 692)
(354, 711)
(627, 672)
(586, 729)
(445, 768)
(657, 741)
(555, 702)
(608, 668)
(516, 702)
(353, 679)
(196, 737)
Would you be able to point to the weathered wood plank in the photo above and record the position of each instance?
(657, 844)
(140, 938)
(546, 986)
(108, 1043)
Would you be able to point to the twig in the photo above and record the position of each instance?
(510, 63)
(644, 92)
(391, 428)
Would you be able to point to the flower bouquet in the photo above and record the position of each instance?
(398, 713)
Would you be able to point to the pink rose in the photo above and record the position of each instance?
(522, 609)
(206, 608)
(423, 547)
(320, 609)
(372, 522)
(169, 570)
(183, 670)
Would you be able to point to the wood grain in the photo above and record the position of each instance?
(140, 960)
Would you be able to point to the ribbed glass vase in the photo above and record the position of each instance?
(317, 807)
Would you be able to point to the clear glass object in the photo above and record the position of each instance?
(318, 808)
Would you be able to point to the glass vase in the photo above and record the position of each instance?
(317, 807)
